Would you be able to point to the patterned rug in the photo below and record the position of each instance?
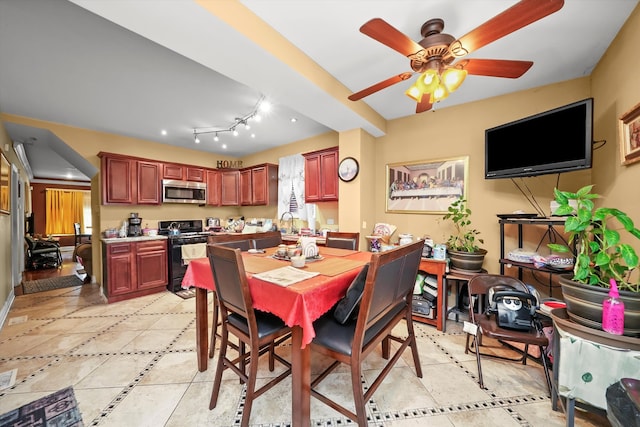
(33, 286)
(59, 409)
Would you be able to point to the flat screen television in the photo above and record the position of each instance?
(554, 141)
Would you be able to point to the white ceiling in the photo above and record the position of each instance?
(137, 67)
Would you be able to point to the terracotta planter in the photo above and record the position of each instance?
(467, 261)
(584, 305)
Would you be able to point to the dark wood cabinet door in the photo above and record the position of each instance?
(151, 264)
(230, 188)
(118, 180)
(213, 188)
(149, 183)
(121, 268)
(329, 176)
(246, 186)
(312, 178)
(259, 189)
(172, 171)
(321, 175)
(195, 174)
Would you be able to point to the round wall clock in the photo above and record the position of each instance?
(348, 169)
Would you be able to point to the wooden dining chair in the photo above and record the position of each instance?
(267, 239)
(261, 331)
(232, 241)
(343, 240)
(386, 302)
(487, 326)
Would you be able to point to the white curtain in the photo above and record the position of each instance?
(291, 186)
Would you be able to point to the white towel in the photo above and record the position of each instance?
(193, 251)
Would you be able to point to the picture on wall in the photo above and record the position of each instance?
(629, 125)
(426, 186)
(5, 197)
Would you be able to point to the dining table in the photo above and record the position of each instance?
(298, 304)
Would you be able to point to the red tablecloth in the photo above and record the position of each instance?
(298, 304)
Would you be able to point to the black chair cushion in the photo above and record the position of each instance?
(267, 323)
(347, 308)
(338, 337)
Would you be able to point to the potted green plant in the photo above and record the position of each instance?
(463, 244)
(601, 255)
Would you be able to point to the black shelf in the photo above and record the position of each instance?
(551, 234)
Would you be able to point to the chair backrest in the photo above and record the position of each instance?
(268, 239)
(343, 240)
(387, 290)
(238, 240)
(480, 284)
(232, 287)
(76, 228)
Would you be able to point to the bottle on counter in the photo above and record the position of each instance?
(613, 311)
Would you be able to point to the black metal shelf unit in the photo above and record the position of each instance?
(551, 235)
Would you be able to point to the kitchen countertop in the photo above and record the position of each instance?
(132, 239)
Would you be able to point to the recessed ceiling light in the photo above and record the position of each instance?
(164, 132)
(224, 146)
(253, 135)
(293, 120)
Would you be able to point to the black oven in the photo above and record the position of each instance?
(191, 232)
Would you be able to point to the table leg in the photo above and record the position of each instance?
(300, 380)
(202, 327)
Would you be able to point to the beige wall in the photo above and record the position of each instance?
(443, 133)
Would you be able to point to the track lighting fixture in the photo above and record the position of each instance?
(261, 105)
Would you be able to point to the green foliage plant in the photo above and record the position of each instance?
(601, 255)
(465, 238)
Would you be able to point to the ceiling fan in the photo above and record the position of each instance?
(433, 56)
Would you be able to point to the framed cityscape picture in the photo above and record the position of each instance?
(426, 186)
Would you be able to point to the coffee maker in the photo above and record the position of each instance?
(135, 225)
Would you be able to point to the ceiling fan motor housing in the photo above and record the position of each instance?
(435, 44)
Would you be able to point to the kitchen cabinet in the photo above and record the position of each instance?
(127, 180)
(213, 187)
(133, 269)
(259, 185)
(183, 172)
(229, 188)
(321, 175)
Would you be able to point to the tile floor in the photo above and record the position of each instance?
(133, 363)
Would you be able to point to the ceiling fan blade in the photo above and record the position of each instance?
(424, 104)
(494, 67)
(517, 16)
(386, 34)
(379, 86)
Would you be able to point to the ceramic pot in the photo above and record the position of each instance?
(467, 261)
(584, 305)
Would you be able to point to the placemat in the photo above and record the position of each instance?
(259, 264)
(336, 251)
(333, 266)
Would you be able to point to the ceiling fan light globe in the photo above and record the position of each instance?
(439, 94)
(414, 93)
(452, 78)
(428, 81)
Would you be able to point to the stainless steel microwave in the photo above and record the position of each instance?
(174, 191)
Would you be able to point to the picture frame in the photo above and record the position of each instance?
(348, 169)
(5, 185)
(629, 136)
(426, 186)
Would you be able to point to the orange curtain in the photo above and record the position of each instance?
(64, 207)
